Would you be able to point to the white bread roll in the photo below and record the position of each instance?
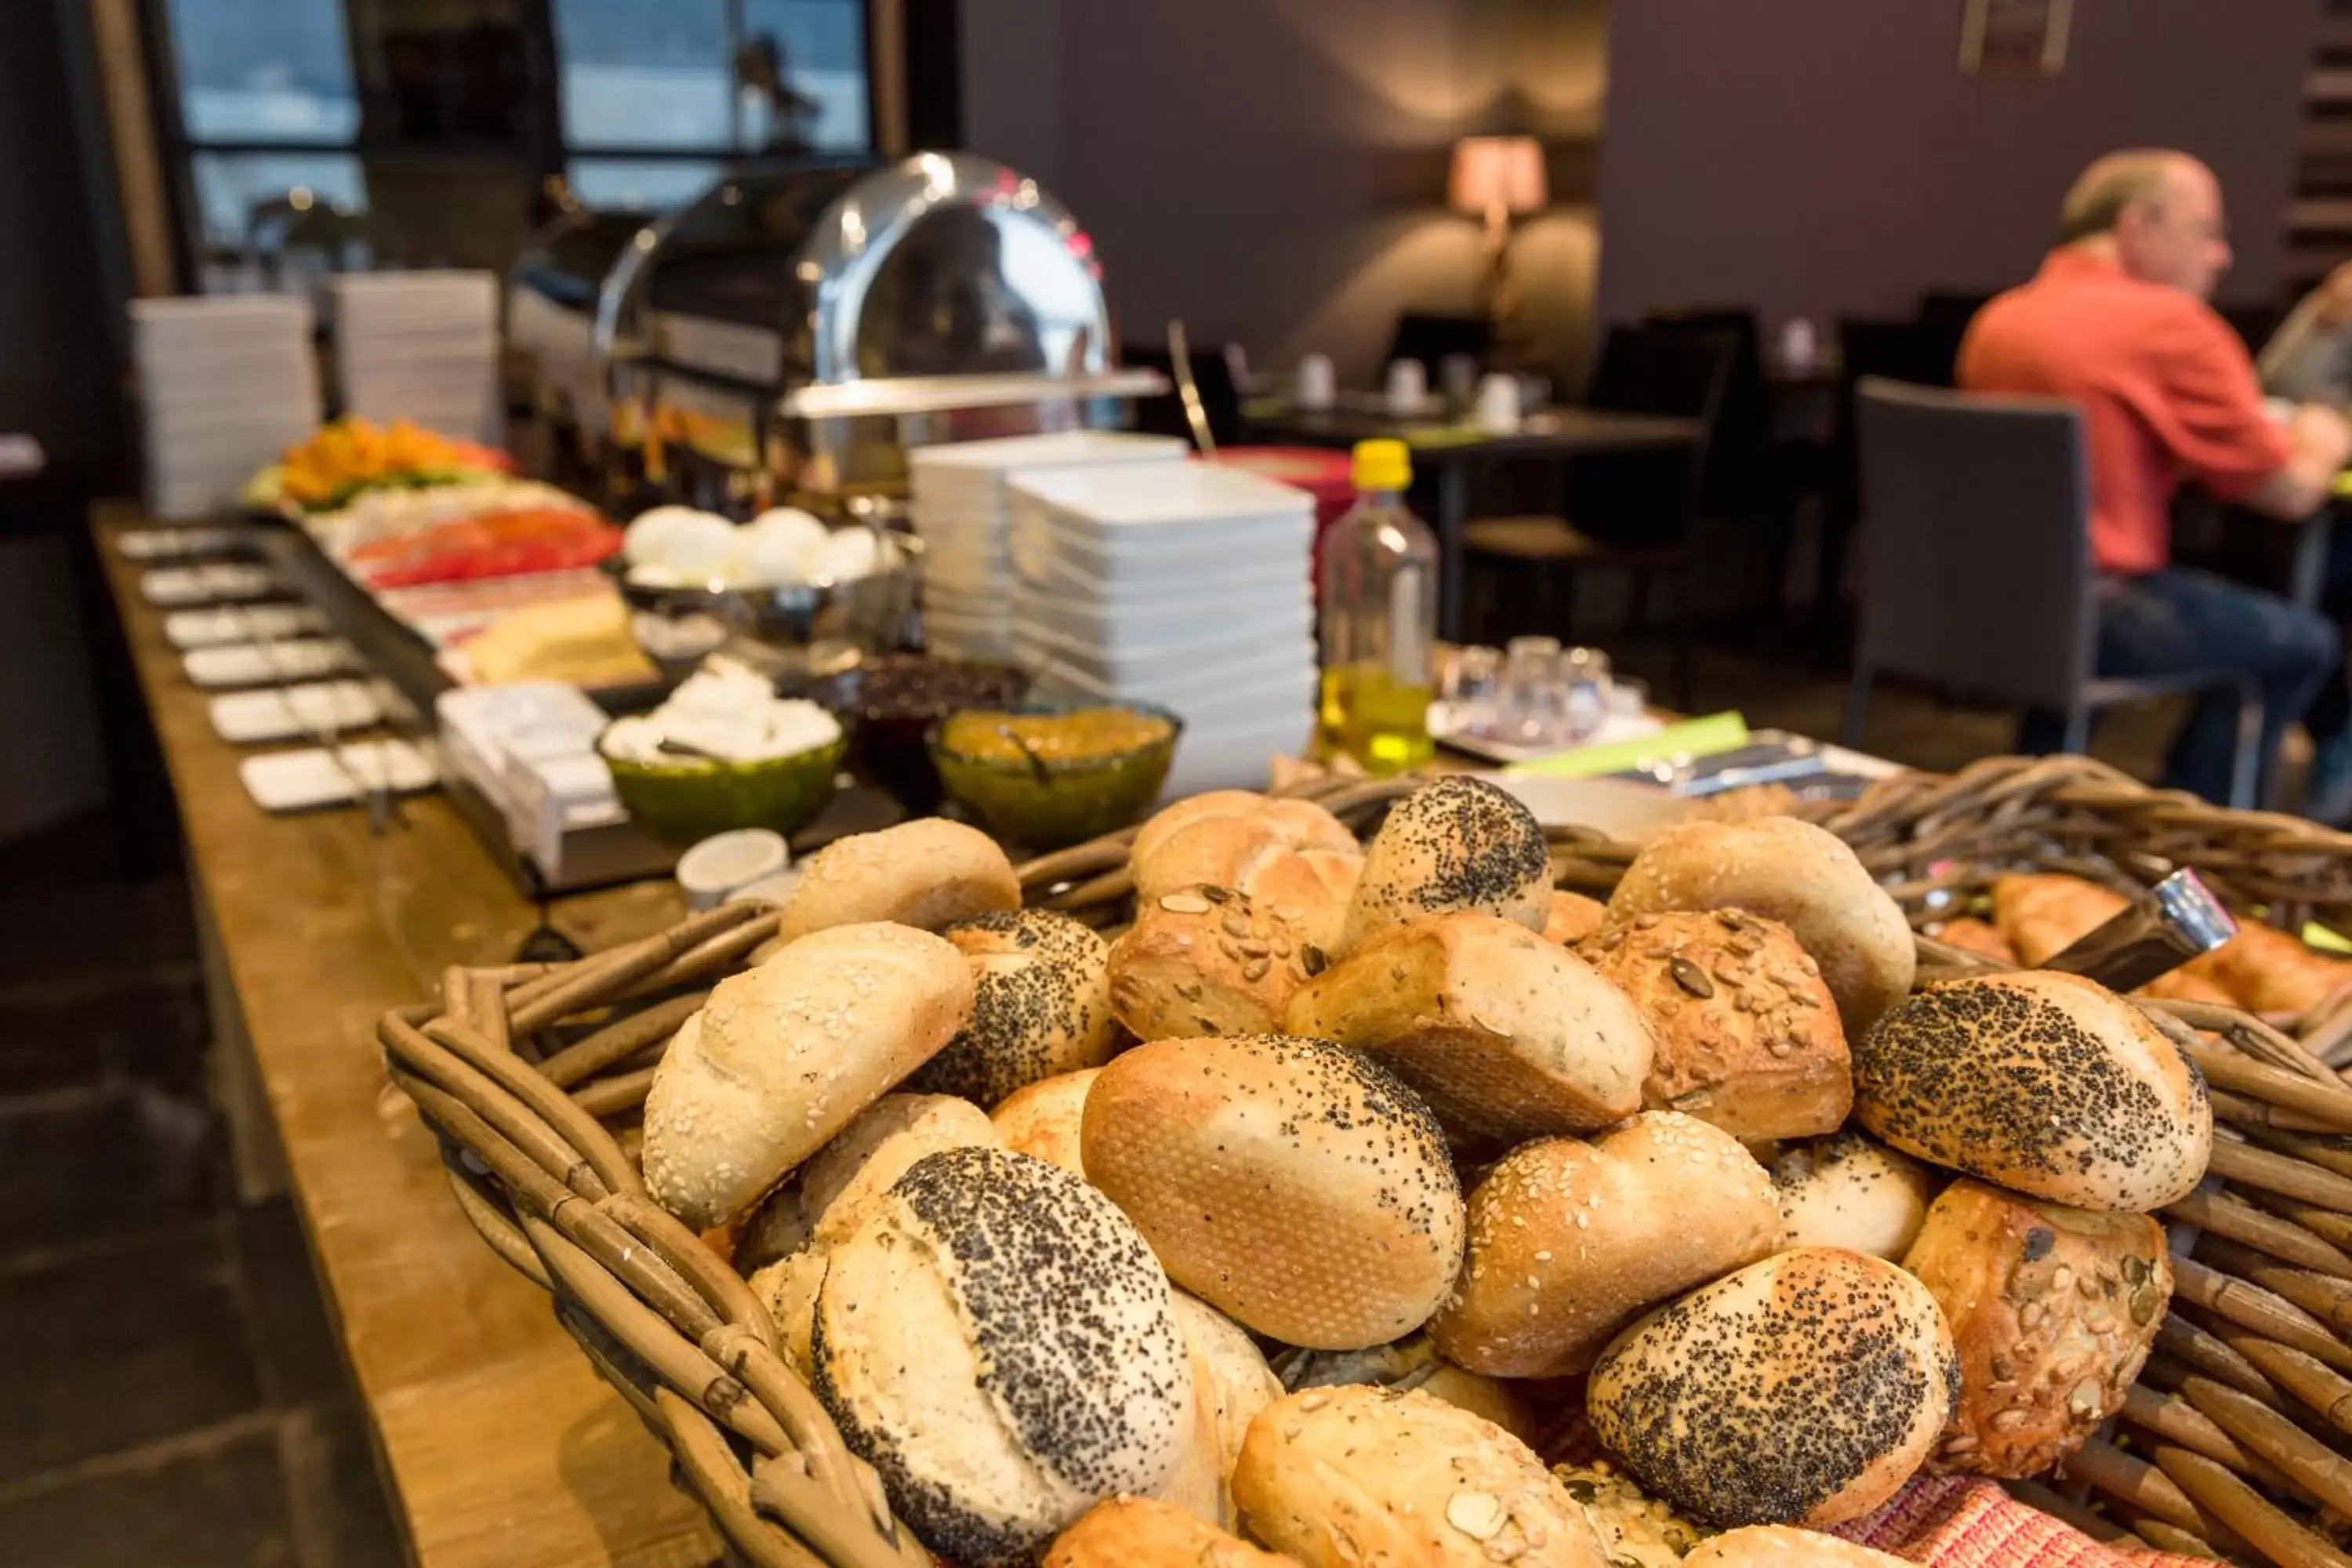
(998, 1342)
(1786, 1546)
(2043, 1082)
(1412, 1363)
(1792, 872)
(1294, 1185)
(2053, 1310)
(1458, 843)
(1207, 961)
(1043, 1119)
(1747, 1034)
(1289, 856)
(1847, 1191)
(827, 1197)
(1803, 1390)
(928, 873)
(1341, 1477)
(1570, 1240)
(1144, 1532)
(1042, 1005)
(1506, 1035)
(1230, 1383)
(789, 1290)
(783, 1057)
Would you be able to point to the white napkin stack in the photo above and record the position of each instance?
(422, 346)
(228, 383)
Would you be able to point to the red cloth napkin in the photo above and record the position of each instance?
(1956, 1521)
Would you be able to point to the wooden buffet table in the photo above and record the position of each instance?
(501, 1447)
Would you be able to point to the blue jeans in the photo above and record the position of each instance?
(2176, 621)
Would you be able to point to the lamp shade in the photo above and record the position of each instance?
(1497, 173)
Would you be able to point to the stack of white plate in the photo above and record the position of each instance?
(959, 507)
(421, 346)
(1186, 586)
(228, 383)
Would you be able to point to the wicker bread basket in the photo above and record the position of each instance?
(533, 1076)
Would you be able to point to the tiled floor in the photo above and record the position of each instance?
(175, 1394)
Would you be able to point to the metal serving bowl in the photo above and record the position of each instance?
(795, 633)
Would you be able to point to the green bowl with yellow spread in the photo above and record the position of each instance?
(1047, 774)
(686, 800)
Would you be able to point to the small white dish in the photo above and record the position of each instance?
(724, 862)
(773, 889)
(176, 586)
(326, 707)
(240, 623)
(262, 664)
(302, 781)
(171, 543)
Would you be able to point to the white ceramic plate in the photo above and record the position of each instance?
(210, 628)
(260, 664)
(247, 717)
(300, 781)
(171, 543)
(171, 585)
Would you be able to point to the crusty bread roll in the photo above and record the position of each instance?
(1412, 1363)
(1041, 1005)
(1458, 843)
(2044, 1083)
(1342, 1477)
(827, 1197)
(1971, 935)
(1573, 917)
(1570, 1240)
(2053, 1311)
(789, 1290)
(1043, 1119)
(1289, 856)
(1634, 1528)
(998, 1342)
(782, 1058)
(1802, 1390)
(928, 873)
(1506, 1035)
(1144, 1532)
(1785, 1546)
(1792, 872)
(1207, 961)
(1747, 1032)
(1294, 1185)
(1847, 1191)
(1230, 1383)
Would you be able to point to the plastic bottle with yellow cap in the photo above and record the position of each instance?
(1376, 615)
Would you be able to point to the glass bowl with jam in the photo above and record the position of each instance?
(1050, 772)
(890, 704)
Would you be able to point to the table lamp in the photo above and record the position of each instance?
(1497, 178)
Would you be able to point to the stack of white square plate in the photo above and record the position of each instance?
(421, 346)
(959, 508)
(228, 383)
(1184, 586)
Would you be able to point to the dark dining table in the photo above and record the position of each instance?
(1451, 449)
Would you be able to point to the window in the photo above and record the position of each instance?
(642, 80)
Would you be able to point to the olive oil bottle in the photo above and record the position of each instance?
(1376, 615)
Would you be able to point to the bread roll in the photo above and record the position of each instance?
(1792, 872)
(1846, 1191)
(1294, 1185)
(1508, 1036)
(2044, 913)
(1342, 1477)
(827, 1197)
(928, 873)
(1290, 855)
(2040, 1081)
(1568, 1241)
(1041, 1005)
(782, 1058)
(1144, 1532)
(2265, 970)
(1747, 1032)
(1573, 917)
(1458, 843)
(1207, 961)
(789, 1290)
(1634, 1528)
(1975, 936)
(1802, 1390)
(2053, 1311)
(1412, 1363)
(1230, 1383)
(998, 1342)
(1783, 1546)
(1043, 1119)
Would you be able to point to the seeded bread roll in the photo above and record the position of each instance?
(2053, 1310)
(1570, 1240)
(1294, 1185)
(1634, 1528)
(1792, 872)
(1144, 1532)
(789, 1290)
(1573, 917)
(1043, 1119)
(1456, 844)
(1803, 1390)
(928, 873)
(1506, 1035)
(998, 1342)
(1343, 1477)
(1784, 1546)
(828, 1197)
(1747, 1034)
(1042, 1006)
(1412, 1363)
(2043, 1082)
(1286, 855)
(783, 1057)
(1846, 1191)
(1230, 1383)
(1207, 961)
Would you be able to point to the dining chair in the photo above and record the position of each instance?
(1217, 373)
(1434, 337)
(1976, 566)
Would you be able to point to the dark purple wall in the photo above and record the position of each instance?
(1819, 156)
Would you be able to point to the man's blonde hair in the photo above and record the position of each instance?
(2112, 186)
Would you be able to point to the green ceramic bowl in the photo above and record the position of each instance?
(685, 801)
(1053, 804)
